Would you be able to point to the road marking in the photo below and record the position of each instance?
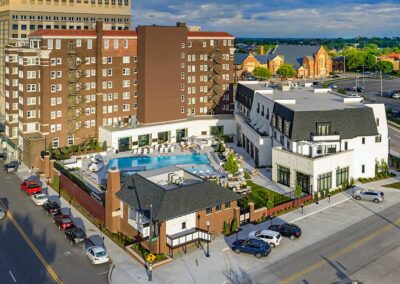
(102, 273)
(12, 276)
(319, 210)
(342, 252)
(33, 247)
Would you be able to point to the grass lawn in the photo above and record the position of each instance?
(393, 185)
(259, 195)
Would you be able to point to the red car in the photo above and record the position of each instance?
(30, 187)
(63, 222)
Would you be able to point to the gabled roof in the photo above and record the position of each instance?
(138, 192)
(294, 54)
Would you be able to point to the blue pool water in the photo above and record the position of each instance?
(146, 163)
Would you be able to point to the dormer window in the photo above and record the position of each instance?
(323, 129)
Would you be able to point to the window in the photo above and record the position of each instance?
(346, 145)
(363, 140)
(323, 129)
(342, 175)
(126, 59)
(89, 44)
(115, 43)
(227, 205)
(56, 142)
(378, 138)
(324, 181)
(209, 210)
(284, 175)
(377, 122)
(58, 44)
(106, 44)
(31, 88)
(218, 208)
(49, 44)
(183, 225)
(125, 107)
(31, 114)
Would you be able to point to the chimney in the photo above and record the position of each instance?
(99, 28)
(112, 208)
(262, 49)
(181, 24)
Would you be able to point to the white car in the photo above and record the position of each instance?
(97, 255)
(39, 199)
(2, 213)
(271, 237)
(95, 167)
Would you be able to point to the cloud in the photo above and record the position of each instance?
(276, 18)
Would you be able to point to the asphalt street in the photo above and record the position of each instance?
(394, 135)
(339, 258)
(33, 250)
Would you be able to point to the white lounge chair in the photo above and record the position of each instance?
(151, 151)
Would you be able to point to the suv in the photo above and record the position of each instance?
(64, 222)
(271, 237)
(291, 231)
(256, 247)
(52, 208)
(75, 235)
(371, 195)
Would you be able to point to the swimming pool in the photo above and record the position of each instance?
(141, 163)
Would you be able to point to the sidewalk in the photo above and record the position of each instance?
(121, 260)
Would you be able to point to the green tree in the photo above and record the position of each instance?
(234, 225)
(384, 167)
(384, 66)
(298, 191)
(227, 228)
(370, 61)
(231, 165)
(286, 71)
(270, 202)
(262, 73)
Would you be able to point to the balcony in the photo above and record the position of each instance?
(187, 237)
(333, 136)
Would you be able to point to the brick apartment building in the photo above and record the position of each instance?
(65, 84)
(19, 18)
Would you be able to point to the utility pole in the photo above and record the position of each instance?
(380, 73)
(363, 76)
(344, 64)
(357, 86)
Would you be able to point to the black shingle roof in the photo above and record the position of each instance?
(348, 123)
(138, 192)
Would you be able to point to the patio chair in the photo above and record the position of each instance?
(161, 150)
(134, 151)
(151, 151)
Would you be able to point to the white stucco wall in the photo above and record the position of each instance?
(174, 226)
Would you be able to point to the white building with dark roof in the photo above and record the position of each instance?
(314, 137)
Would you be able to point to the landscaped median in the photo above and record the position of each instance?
(395, 185)
(140, 253)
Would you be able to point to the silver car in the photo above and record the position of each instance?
(371, 195)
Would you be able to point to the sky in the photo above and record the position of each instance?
(276, 18)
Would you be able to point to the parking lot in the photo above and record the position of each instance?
(373, 90)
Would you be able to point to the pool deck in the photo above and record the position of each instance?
(100, 177)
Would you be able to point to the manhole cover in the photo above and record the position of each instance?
(67, 253)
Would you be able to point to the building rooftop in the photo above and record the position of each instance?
(172, 192)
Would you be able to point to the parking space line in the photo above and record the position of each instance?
(319, 210)
(12, 276)
(326, 219)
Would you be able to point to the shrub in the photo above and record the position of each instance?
(227, 228)
(352, 181)
(234, 225)
(247, 175)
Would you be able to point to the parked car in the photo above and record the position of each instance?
(75, 235)
(333, 86)
(2, 213)
(291, 231)
(97, 255)
(52, 208)
(371, 195)
(273, 238)
(396, 96)
(359, 89)
(39, 198)
(31, 187)
(256, 247)
(335, 76)
(3, 156)
(11, 167)
(64, 222)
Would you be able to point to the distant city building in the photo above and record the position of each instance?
(19, 18)
(308, 61)
(312, 137)
(63, 85)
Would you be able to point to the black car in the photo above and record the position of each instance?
(11, 167)
(75, 235)
(52, 208)
(335, 76)
(287, 230)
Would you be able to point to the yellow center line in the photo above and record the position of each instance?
(33, 247)
(342, 252)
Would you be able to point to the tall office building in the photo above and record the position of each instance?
(19, 18)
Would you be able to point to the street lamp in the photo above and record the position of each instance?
(302, 208)
(59, 185)
(329, 198)
(272, 218)
(208, 242)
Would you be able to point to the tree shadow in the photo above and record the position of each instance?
(17, 258)
(238, 276)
